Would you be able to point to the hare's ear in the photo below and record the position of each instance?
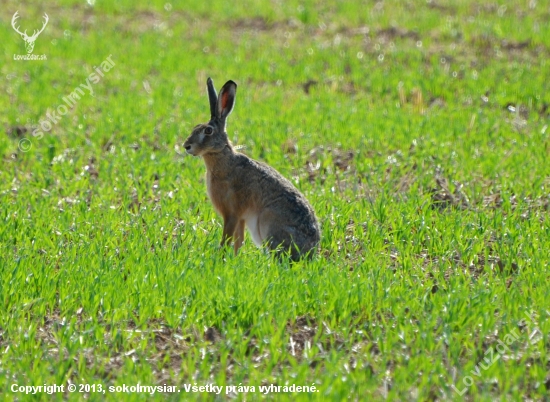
(212, 97)
(226, 100)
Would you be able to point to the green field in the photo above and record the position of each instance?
(418, 130)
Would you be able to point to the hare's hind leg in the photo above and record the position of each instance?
(280, 241)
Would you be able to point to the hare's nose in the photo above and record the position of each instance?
(188, 147)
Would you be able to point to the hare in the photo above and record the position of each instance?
(247, 192)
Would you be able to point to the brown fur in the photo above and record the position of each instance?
(246, 192)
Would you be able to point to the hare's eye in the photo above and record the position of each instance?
(208, 130)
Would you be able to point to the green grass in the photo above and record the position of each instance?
(419, 131)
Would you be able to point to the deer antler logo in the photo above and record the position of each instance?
(29, 40)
